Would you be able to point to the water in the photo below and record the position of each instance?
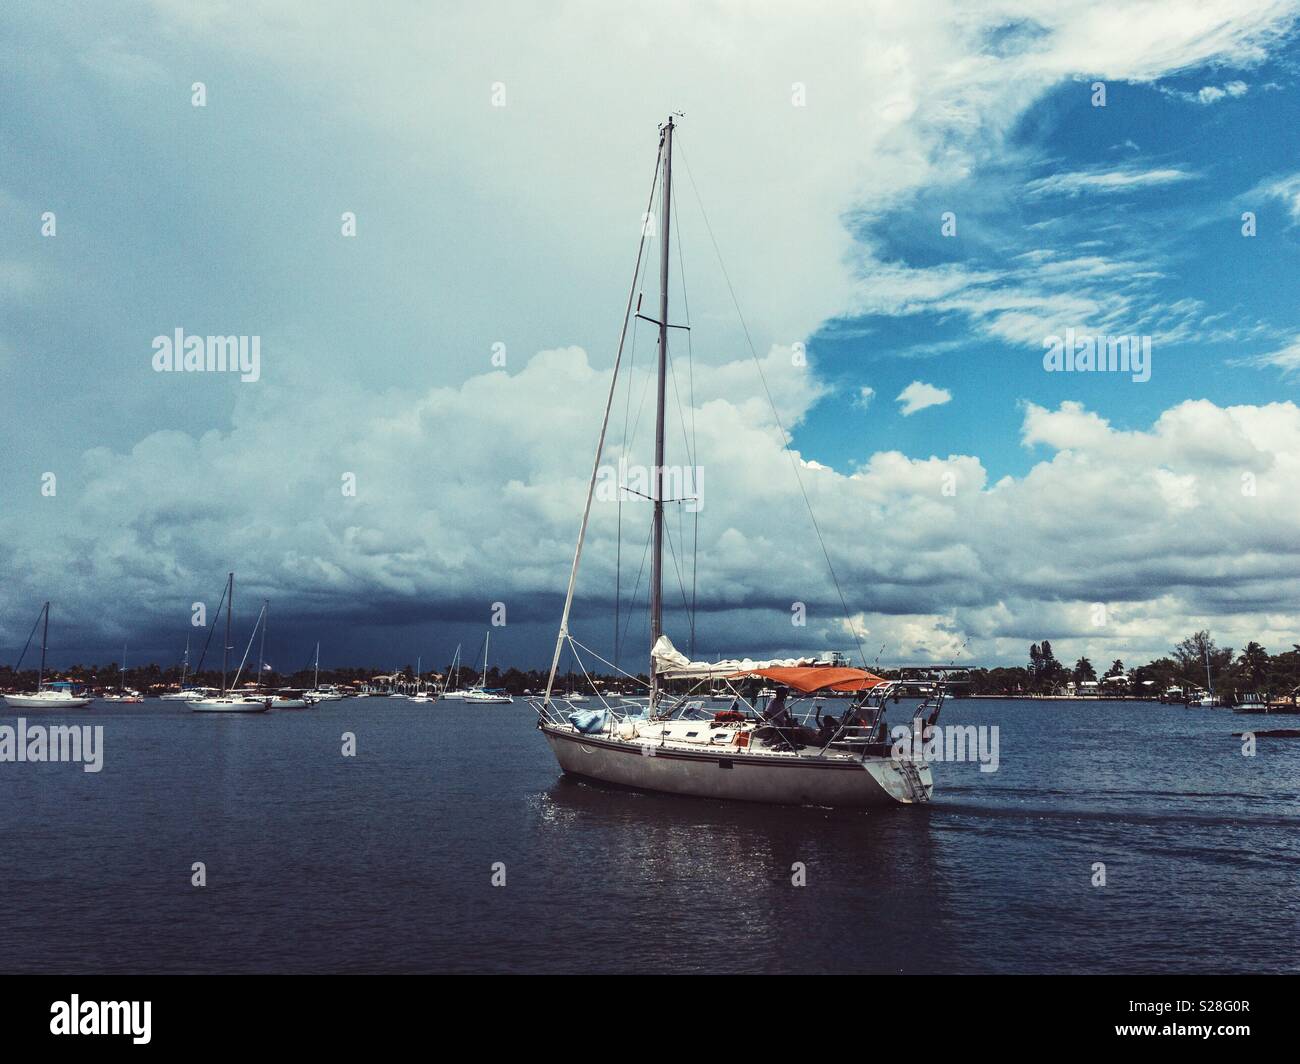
(382, 862)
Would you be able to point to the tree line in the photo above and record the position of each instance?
(1232, 674)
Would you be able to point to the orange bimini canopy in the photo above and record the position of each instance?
(810, 679)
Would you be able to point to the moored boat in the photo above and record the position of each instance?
(57, 694)
(229, 700)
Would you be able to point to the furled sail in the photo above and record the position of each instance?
(672, 664)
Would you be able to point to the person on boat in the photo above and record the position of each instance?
(827, 726)
(776, 713)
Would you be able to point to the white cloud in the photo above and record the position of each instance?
(1287, 358)
(1122, 179)
(470, 494)
(864, 397)
(1209, 94)
(919, 395)
(1286, 189)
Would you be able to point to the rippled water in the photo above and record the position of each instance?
(382, 862)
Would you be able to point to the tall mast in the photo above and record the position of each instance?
(487, 641)
(315, 680)
(185, 665)
(225, 646)
(45, 636)
(121, 678)
(657, 559)
(261, 649)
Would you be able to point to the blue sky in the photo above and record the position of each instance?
(826, 145)
(1186, 231)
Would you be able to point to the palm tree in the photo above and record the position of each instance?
(1254, 661)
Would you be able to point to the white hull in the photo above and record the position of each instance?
(228, 705)
(46, 701)
(488, 698)
(779, 779)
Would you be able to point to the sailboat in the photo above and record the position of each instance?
(673, 743)
(451, 688)
(186, 693)
(229, 700)
(123, 695)
(480, 692)
(1209, 699)
(421, 695)
(58, 694)
(329, 693)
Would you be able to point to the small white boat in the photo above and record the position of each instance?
(60, 694)
(189, 694)
(291, 698)
(230, 704)
(124, 696)
(476, 695)
(423, 697)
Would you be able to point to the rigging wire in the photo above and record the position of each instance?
(785, 436)
(600, 446)
(30, 635)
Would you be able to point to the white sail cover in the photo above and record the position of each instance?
(671, 663)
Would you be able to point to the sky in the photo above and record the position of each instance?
(908, 202)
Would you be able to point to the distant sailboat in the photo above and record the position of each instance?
(123, 695)
(480, 692)
(185, 693)
(229, 701)
(58, 694)
(1207, 700)
(328, 693)
(451, 688)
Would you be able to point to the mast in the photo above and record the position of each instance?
(121, 679)
(261, 648)
(225, 646)
(45, 637)
(186, 663)
(315, 679)
(487, 641)
(657, 557)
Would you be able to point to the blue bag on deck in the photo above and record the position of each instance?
(588, 721)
